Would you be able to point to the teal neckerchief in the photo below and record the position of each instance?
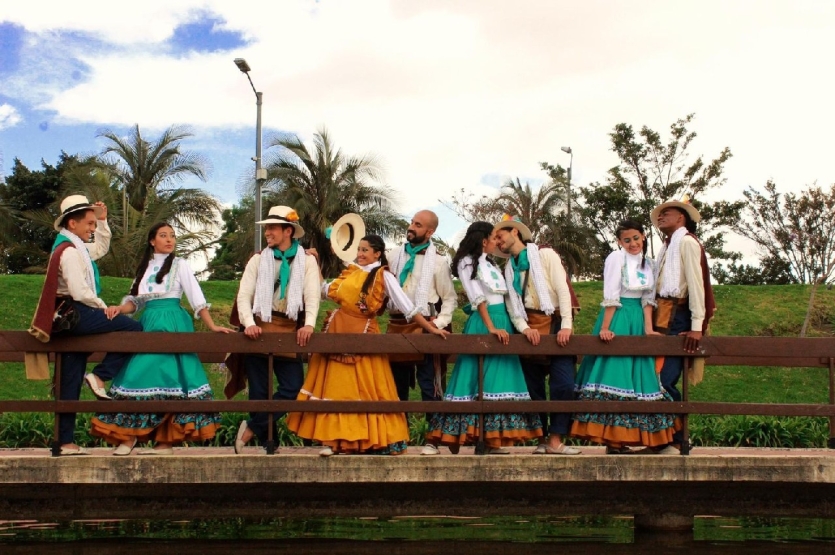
(519, 264)
(410, 264)
(284, 271)
(61, 239)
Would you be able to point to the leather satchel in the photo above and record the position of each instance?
(66, 316)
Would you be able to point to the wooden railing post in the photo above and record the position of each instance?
(56, 392)
(831, 442)
(685, 397)
(480, 447)
(270, 415)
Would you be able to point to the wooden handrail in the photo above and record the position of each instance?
(748, 351)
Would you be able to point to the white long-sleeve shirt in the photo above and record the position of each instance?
(72, 273)
(310, 291)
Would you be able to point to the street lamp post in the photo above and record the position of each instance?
(260, 173)
(567, 150)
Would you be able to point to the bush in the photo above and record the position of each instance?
(759, 431)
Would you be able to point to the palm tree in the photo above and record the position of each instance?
(325, 184)
(143, 167)
(536, 209)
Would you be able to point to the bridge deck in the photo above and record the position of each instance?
(212, 482)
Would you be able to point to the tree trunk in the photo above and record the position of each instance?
(810, 306)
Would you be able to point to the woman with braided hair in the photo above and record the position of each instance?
(628, 299)
(486, 290)
(361, 290)
(161, 280)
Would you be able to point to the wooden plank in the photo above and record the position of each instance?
(780, 347)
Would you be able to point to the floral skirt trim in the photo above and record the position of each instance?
(522, 396)
(503, 429)
(160, 393)
(620, 429)
(357, 448)
(120, 427)
(618, 394)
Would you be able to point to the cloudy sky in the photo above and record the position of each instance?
(447, 94)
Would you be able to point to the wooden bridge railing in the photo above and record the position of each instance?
(726, 351)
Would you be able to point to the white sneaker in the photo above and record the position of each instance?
(430, 449)
(326, 452)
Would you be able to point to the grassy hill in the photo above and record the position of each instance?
(742, 311)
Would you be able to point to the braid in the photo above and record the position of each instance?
(146, 258)
(166, 267)
(377, 245)
(140, 270)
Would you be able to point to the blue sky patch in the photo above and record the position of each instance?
(11, 38)
(205, 35)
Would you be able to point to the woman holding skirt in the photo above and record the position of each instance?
(161, 280)
(361, 291)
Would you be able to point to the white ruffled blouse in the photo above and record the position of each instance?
(179, 280)
(624, 276)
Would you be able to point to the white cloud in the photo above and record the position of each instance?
(9, 116)
(447, 92)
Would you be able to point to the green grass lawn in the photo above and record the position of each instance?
(742, 311)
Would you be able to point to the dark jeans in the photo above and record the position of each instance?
(289, 375)
(423, 371)
(673, 366)
(560, 374)
(91, 321)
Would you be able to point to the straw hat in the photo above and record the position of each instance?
(345, 236)
(683, 204)
(286, 216)
(514, 223)
(75, 203)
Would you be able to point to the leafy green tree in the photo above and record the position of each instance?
(234, 247)
(25, 243)
(771, 271)
(324, 184)
(652, 171)
(797, 228)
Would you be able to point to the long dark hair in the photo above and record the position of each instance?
(472, 245)
(688, 221)
(626, 225)
(377, 245)
(146, 257)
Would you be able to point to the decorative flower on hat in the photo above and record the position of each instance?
(509, 218)
(292, 216)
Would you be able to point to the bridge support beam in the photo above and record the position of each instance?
(663, 522)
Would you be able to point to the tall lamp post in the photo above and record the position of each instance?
(567, 150)
(260, 173)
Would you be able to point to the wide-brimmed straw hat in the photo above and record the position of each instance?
(286, 216)
(73, 204)
(514, 223)
(345, 236)
(683, 204)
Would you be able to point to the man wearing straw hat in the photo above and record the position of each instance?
(539, 300)
(425, 277)
(684, 296)
(71, 289)
(279, 293)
